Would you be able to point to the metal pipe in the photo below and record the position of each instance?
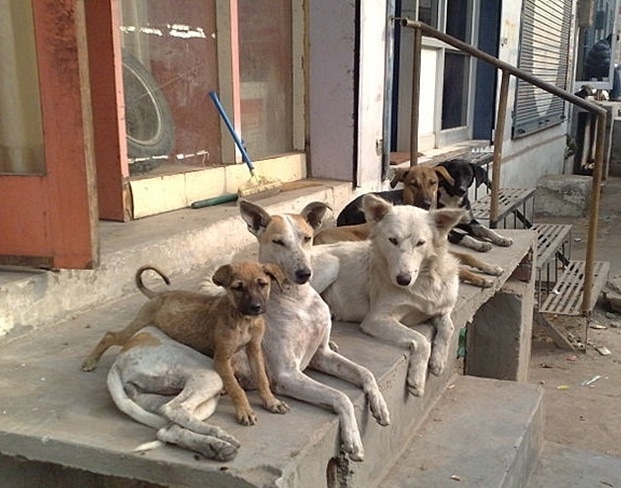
(533, 80)
(416, 63)
(594, 212)
(499, 136)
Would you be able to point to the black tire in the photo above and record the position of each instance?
(148, 119)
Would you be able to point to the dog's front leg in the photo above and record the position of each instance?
(330, 362)
(244, 413)
(387, 328)
(292, 382)
(257, 363)
(441, 342)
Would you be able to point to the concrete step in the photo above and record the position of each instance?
(59, 423)
(178, 241)
(482, 433)
(568, 467)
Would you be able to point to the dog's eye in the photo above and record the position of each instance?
(420, 243)
(239, 286)
(262, 284)
(280, 242)
(393, 240)
(433, 183)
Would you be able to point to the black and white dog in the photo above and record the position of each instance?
(464, 174)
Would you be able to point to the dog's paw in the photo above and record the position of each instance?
(246, 417)
(503, 241)
(276, 406)
(333, 345)
(437, 363)
(494, 271)
(89, 364)
(482, 246)
(379, 409)
(482, 283)
(416, 383)
(352, 446)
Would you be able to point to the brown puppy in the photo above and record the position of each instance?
(217, 326)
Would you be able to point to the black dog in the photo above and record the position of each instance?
(464, 174)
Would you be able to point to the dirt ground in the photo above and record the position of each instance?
(578, 414)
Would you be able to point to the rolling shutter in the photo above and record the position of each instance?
(544, 52)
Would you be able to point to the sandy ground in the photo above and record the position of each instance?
(577, 414)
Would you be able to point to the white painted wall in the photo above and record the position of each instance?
(527, 158)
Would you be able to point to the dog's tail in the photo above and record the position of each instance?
(128, 406)
(207, 286)
(141, 286)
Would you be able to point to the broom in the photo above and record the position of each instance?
(257, 186)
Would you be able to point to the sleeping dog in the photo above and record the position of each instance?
(455, 195)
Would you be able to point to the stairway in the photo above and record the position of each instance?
(560, 280)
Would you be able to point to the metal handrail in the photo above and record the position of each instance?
(507, 69)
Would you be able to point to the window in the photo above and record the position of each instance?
(544, 51)
(447, 84)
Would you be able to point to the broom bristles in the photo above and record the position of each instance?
(259, 187)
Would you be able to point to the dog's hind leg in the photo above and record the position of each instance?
(292, 382)
(207, 445)
(441, 342)
(381, 325)
(114, 338)
(494, 237)
(468, 241)
(330, 362)
(476, 263)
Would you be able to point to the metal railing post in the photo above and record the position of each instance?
(594, 212)
(499, 137)
(416, 63)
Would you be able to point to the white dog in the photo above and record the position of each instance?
(298, 325)
(171, 387)
(402, 276)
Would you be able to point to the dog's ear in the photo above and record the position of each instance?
(275, 272)
(480, 175)
(256, 218)
(444, 174)
(445, 219)
(399, 176)
(314, 213)
(222, 276)
(375, 208)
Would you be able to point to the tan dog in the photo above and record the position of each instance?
(298, 328)
(217, 326)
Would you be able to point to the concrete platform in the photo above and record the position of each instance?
(482, 433)
(565, 467)
(64, 421)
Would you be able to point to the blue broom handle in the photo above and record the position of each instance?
(229, 126)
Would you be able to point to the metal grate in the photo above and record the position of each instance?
(509, 200)
(566, 298)
(550, 238)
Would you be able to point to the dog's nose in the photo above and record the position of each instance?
(426, 204)
(254, 309)
(404, 279)
(461, 191)
(302, 275)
